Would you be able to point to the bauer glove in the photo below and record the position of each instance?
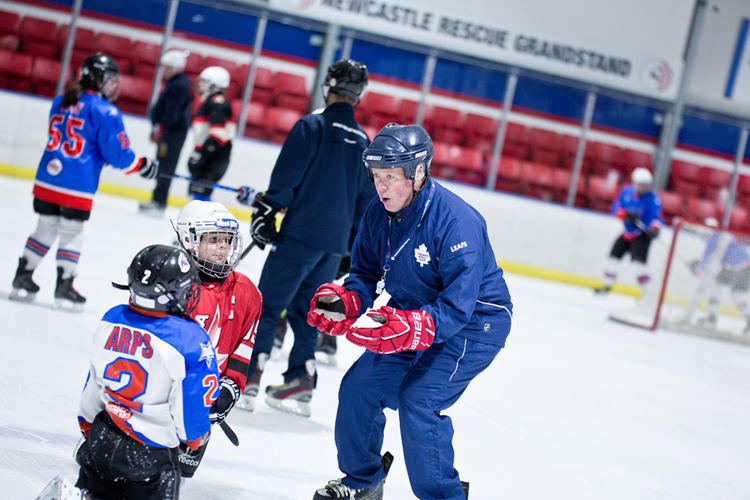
(148, 168)
(333, 309)
(263, 227)
(400, 331)
(229, 395)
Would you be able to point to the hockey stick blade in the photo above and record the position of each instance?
(198, 183)
(229, 433)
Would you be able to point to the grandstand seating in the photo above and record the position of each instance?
(279, 121)
(698, 209)
(378, 109)
(559, 184)
(134, 95)
(291, 91)
(39, 37)
(480, 131)
(407, 111)
(9, 31)
(255, 119)
(672, 204)
(713, 181)
(536, 180)
(117, 47)
(444, 160)
(508, 174)
(15, 70)
(145, 59)
(44, 76)
(469, 166)
(263, 86)
(739, 218)
(685, 178)
(601, 192)
(445, 124)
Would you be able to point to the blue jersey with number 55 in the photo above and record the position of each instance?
(81, 139)
(156, 377)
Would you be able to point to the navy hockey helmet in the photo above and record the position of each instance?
(400, 146)
(100, 73)
(347, 78)
(164, 278)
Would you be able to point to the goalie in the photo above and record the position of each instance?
(725, 262)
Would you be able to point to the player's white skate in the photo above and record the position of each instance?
(60, 488)
(247, 399)
(294, 396)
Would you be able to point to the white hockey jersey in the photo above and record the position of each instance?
(155, 376)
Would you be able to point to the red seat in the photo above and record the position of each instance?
(291, 91)
(194, 64)
(470, 166)
(85, 39)
(560, 184)
(508, 174)
(118, 48)
(44, 76)
(743, 190)
(601, 193)
(543, 139)
(739, 218)
(567, 146)
(15, 70)
(263, 86)
(444, 160)
(604, 158)
(279, 121)
(39, 37)
(379, 109)
(545, 157)
(480, 131)
(635, 159)
(145, 58)
(407, 111)
(254, 120)
(370, 131)
(672, 204)
(698, 209)
(536, 180)
(685, 178)
(9, 23)
(134, 95)
(445, 124)
(714, 181)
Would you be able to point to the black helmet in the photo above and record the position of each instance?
(163, 278)
(347, 78)
(400, 146)
(100, 73)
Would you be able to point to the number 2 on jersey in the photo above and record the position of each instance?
(136, 386)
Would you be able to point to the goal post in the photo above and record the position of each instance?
(702, 287)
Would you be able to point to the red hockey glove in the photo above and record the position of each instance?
(333, 309)
(401, 331)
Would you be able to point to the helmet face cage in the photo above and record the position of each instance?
(400, 146)
(347, 78)
(163, 278)
(201, 219)
(100, 73)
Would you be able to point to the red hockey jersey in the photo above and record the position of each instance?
(229, 312)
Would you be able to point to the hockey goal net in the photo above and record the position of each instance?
(702, 287)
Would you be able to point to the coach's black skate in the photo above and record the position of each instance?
(247, 400)
(325, 352)
(24, 287)
(294, 396)
(337, 489)
(279, 333)
(67, 297)
(465, 487)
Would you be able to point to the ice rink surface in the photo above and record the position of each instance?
(575, 406)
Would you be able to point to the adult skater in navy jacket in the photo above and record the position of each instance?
(447, 317)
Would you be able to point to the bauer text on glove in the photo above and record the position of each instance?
(400, 331)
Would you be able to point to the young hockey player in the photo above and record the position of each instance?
(230, 304)
(318, 180)
(85, 133)
(447, 317)
(213, 130)
(152, 380)
(639, 207)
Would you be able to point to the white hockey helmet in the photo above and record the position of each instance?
(199, 218)
(642, 175)
(216, 77)
(175, 58)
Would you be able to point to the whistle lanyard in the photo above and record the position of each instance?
(390, 258)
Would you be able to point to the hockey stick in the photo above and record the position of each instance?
(229, 433)
(198, 183)
(247, 250)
